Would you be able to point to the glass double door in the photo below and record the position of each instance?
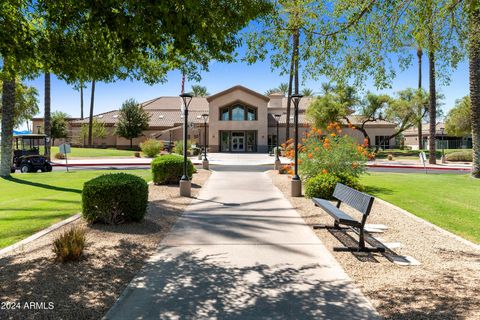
(238, 141)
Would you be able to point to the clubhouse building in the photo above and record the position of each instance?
(239, 120)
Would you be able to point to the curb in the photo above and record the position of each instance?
(39, 234)
(445, 232)
(415, 167)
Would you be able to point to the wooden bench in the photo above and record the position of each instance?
(358, 200)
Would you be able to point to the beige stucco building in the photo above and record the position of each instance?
(239, 120)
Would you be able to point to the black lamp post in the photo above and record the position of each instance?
(277, 119)
(205, 118)
(296, 100)
(186, 98)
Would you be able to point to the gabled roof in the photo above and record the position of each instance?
(241, 88)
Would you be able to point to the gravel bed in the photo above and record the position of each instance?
(87, 289)
(445, 286)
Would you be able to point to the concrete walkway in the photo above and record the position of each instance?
(241, 251)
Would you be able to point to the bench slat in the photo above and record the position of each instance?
(336, 213)
(355, 199)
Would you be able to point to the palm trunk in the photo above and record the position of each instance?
(420, 107)
(131, 144)
(289, 97)
(474, 62)
(8, 105)
(432, 111)
(81, 100)
(90, 119)
(47, 116)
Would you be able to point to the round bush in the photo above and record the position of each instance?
(114, 198)
(323, 185)
(169, 169)
(151, 147)
(466, 155)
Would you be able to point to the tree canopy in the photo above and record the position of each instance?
(26, 103)
(458, 122)
(132, 121)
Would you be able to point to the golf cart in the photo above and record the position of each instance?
(26, 153)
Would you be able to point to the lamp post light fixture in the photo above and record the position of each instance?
(296, 183)
(185, 184)
(277, 151)
(442, 129)
(205, 160)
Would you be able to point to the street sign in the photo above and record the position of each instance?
(64, 148)
(423, 160)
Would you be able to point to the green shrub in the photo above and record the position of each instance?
(114, 198)
(69, 245)
(466, 155)
(178, 147)
(168, 168)
(59, 155)
(323, 185)
(151, 147)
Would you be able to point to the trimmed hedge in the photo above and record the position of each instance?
(466, 155)
(169, 169)
(323, 185)
(114, 198)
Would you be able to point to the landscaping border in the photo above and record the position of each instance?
(417, 218)
(40, 234)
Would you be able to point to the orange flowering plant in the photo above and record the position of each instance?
(331, 152)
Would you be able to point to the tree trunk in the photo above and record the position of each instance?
(46, 115)
(474, 62)
(81, 100)
(90, 119)
(8, 105)
(432, 111)
(420, 107)
(131, 144)
(289, 97)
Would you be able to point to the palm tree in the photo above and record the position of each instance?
(283, 88)
(432, 110)
(327, 88)
(307, 92)
(8, 107)
(46, 114)
(90, 119)
(199, 91)
(271, 91)
(474, 65)
(420, 107)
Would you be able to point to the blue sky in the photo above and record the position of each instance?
(259, 77)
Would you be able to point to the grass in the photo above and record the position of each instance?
(30, 202)
(449, 201)
(95, 153)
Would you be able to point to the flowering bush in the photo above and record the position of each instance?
(329, 151)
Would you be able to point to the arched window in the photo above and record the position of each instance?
(238, 112)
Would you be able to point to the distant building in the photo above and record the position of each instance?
(441, 137)
(240, 120)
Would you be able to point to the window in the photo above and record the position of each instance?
(382, 142)
(238, 113)
(225, 114)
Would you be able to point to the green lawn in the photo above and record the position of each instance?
(95, 153)
(449, 201)
(30, 202)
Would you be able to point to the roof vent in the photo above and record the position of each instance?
(115, 116)
(161, 116)
(100, 116)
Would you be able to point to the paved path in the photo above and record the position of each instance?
(241, 251)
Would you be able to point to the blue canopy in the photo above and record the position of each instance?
(15, 132)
